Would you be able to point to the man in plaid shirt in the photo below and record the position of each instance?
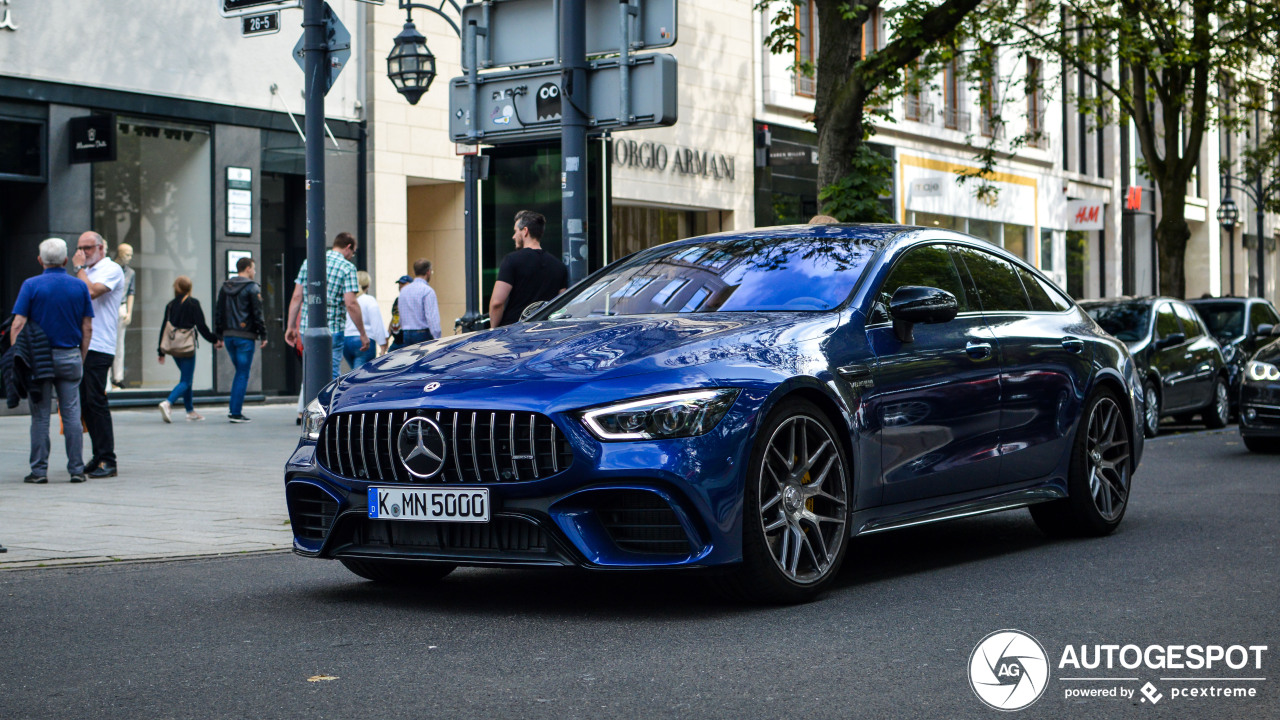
(341, 290)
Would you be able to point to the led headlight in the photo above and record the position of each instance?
(668, 416)
(1263, 372)
(312, 418)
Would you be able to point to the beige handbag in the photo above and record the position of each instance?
(177, 342)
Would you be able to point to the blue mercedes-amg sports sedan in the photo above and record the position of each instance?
(746, 402)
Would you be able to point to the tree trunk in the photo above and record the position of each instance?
(1172, 234)
(841, 93)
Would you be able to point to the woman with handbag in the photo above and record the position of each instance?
(182, 319)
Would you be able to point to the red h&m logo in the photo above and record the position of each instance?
(1133, 198)
(1087, 214)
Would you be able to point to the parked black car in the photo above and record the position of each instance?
(1184, 372)
(1260, 399)
(1242, 326)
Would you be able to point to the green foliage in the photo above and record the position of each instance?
(856, 197)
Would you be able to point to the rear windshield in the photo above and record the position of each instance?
(730, 275)
(1225, 320)
(1127, 321)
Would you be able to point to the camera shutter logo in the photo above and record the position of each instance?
(421, 447)
(1008, 670)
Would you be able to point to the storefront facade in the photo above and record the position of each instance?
(198, 163)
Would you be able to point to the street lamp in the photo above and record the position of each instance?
(1228, 214)
(411, 66)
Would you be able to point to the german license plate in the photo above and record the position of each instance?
(430, 504)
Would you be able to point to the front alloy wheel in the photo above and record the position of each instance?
(1099, 477)
(795, 528)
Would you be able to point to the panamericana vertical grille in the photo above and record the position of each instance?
(481, 446)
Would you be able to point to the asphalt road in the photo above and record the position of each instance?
(1195, 562)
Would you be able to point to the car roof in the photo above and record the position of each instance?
(876, 234)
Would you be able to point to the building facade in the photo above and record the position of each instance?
(198, 159)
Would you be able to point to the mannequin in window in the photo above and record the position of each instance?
(124, 256)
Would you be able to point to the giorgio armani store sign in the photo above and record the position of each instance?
(187, 157)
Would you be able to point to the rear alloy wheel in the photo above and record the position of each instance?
(795, 518)
(1151, 413)
(1218, 413)
(1099, 477)
(398, 572)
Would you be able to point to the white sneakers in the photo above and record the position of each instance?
(165, 411)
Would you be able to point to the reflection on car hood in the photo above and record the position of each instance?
(596, 348)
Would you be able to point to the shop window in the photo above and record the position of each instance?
(1014, 239)
(157, 197)
(1046, 250)
(1077, 261)
(637, 228)
(22, 147)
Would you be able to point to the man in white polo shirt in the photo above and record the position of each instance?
(106, 282)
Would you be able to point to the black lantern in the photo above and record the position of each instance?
(411, 66)
(1228, 214)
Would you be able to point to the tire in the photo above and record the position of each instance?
(1151, 415)
(1218, 412)
(1099, 477)
(800, 467)
(1266, 445)
(398, 572)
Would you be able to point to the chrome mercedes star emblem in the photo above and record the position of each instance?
(421, 447)
(430, 386)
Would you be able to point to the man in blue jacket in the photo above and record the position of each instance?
(60, 305)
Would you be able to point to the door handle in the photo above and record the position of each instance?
(1075, 345)
(978, 351)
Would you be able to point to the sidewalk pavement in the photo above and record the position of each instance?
(186, 489)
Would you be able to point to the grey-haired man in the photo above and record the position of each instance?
(59, 305)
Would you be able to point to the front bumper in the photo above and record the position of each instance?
(1260, 409)
(619, 505)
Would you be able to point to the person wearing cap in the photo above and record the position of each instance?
(395, 334)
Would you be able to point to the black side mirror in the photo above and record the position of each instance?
(1266, 329)
(1169, 341)
(913, 304)
(530, 309)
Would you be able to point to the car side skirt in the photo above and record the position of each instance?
(906, 515)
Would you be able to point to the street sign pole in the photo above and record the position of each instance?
(573, 137)
(317, 341)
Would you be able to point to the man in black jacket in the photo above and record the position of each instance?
(237, 319)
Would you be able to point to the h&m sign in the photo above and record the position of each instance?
(1086, 215)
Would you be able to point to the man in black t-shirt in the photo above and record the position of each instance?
(527, 275)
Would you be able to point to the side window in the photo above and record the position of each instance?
(1166, 321)
(998, 285)
(1190, 323)
(1041, 300)
(930, 266)
(1261, 314)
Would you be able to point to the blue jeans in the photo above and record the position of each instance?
(354, 355)
(241, 352)
(67, 371)
(339, 343)
(187, 368)
(413, 337)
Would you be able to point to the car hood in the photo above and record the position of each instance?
(596, 349)
(1269, 354)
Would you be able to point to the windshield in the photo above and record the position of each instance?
(1127, 322)
(1225, 320)
(724, 275)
